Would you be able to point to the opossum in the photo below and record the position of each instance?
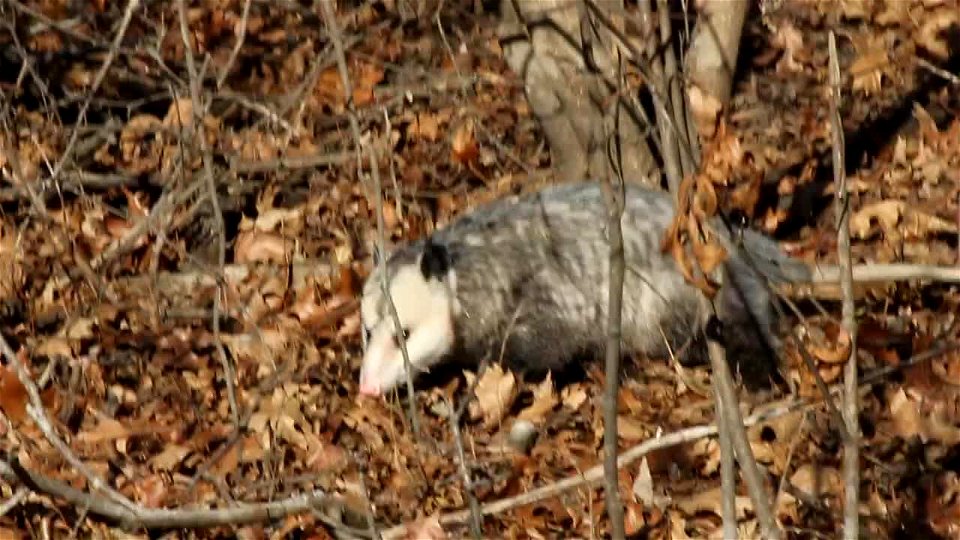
(523, 280)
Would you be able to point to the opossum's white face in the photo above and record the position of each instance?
(425, 304)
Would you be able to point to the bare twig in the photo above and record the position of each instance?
(476, 521)
(794, 439)
(97, 81)
(729, 413)
(138, 517)
(271, 165)
(664, 68)
(368, 506)
(385, 288)
(864, 273)
(851, 450)
(198, 136)
(728, 471)
(14, 500)
(241, 35)
(942, 73)
(659, 100)
(37, 412)
(614, 194)
(333, 29)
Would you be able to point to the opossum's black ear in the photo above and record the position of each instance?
(435, 261)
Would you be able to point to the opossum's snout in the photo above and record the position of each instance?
(424, 308)
(383, 366)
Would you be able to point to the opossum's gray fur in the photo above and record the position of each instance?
(532, 275)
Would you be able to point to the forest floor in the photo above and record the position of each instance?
(124, 292)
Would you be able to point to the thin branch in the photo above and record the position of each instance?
(728, 471)
(14, 500)
(333, 29)
(664, 68)
(851, 446)
(865, 273)
(97, 81)
(728, 412)
(784, 476)
(368, 505)
(38, 413)
(135, 516)
(241, 36)
(385, 289)
(942, 73)
(291, 163)
(614, 199)
(198, 135)
(476, 521)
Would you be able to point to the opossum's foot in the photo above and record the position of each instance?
(750, 356)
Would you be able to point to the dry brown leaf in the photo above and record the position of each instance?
(426, 529)
(328, 458)
(867, 70)
(709, 255)
(494, 394)
(365, 81)
(179, 114)
(633, 520)
(932, 35)
(833, 347)
(897, 219)
(707, 452)
(11, 534)
(643, 488)
(425, 126)
(678, 526)
(573, 396)
(790, 39)
(706, 111)
(630, 429)
(253, 246)
(817, 481)
(711, 500)
(151, 492)
(170, 457)
(893, 13)
(289, 221)
(107, 429)
(544, 400)
(855, 9)
(464, 148)
(13, 395)
(906, 416)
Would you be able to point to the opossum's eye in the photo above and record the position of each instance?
(406, 336)
(366, 334)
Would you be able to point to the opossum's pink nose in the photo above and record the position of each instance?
(369, 389)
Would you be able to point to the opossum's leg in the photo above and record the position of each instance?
(538, 350)
(746, 310)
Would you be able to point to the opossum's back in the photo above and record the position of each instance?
(561, 221)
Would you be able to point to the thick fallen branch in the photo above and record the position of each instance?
(150, 518)
(865, 273)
